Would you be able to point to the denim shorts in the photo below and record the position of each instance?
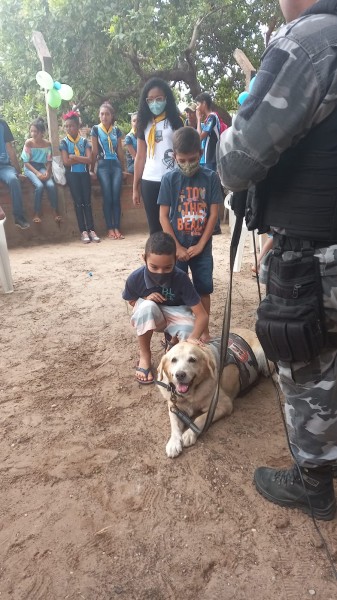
(201, 267)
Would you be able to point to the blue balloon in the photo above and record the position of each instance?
(251, 84)
(242, 97)
(57, 85)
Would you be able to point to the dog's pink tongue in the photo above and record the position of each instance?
(182, 388)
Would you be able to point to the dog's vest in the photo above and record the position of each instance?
(239, 353)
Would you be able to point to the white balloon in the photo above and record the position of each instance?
(66, 92)
(44, 80)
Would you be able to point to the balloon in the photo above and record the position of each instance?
(242, 97)
(53, 98)
(57, 85)
(66, 92)
(251, 84)
(44, 80)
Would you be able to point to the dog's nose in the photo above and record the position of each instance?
(180, 375)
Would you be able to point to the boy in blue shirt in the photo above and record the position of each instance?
(189, 197)
(163, 299)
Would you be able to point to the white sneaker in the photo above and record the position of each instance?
(94, 237)
(85, 237)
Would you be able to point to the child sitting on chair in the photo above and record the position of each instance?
(163, 299)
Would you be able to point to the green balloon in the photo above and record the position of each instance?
(53, 98)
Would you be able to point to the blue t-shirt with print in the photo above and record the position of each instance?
(104, 150)
(189, 199)
(5, 137)
(209, 143)
(69, 146)
(178, 290)
(130, 140)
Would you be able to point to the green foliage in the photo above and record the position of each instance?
(105, 50)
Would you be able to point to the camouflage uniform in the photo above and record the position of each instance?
(295, 90)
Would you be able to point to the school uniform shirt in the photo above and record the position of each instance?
(178, 289)
(209, 143)
(69, 146)
(163, 161)
(5, 137)
(104, 150)
(190, 199)
(130, 140)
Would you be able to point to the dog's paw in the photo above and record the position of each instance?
(189, 438)
(174, 447)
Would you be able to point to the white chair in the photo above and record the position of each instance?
(260, 239)
(5, 268)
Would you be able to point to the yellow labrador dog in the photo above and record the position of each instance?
(192, 371)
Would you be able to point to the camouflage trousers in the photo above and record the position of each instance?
(310, 389)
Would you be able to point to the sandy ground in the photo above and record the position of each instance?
(90, 506)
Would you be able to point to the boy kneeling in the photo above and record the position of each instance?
(163, 299)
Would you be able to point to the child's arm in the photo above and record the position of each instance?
(201, 321)
(164, 211)
(198, 248)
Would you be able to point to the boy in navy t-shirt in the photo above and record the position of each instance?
(164, 299)
(189, 197)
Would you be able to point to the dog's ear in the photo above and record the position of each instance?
(162, 368)
(211, 365)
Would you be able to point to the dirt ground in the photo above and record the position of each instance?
(90, 506)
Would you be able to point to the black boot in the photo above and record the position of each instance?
(285, 488)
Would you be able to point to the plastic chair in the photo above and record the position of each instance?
(260, 239)
(5, 268)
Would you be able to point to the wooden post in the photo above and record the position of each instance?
(46, 62)
(245, 65)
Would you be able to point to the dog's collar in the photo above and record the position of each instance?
(174, 409)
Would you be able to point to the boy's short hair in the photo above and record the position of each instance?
(160, 243)
(205, 97)
(186, 140)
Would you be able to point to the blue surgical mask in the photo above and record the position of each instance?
(157, 107)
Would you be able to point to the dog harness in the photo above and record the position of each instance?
(239, 353)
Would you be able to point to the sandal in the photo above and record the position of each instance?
(37, 220)
(146, 373)
(119, 236)
(111, 235)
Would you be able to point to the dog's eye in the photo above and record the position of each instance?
(192, 360)
(174, 360)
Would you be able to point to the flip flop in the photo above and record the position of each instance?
(146, 373)
(119, 236)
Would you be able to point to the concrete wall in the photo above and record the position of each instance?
(49, 231)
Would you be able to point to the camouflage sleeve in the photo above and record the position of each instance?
(280, 110)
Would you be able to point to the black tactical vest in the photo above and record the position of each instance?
(299, 194)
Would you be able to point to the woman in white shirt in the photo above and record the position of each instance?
(157, 119)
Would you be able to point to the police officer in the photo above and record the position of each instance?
(284, 142)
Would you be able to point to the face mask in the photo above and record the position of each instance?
(158, 278)
(157, 107)
(189, 168)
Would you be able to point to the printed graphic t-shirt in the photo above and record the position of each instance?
(178, 291)
(189, 199)
(162, 161)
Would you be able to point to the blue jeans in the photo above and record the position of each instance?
(109, 173)
(201, 267)
(8, 176)
(39, 185)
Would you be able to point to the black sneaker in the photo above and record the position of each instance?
(22, 223)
